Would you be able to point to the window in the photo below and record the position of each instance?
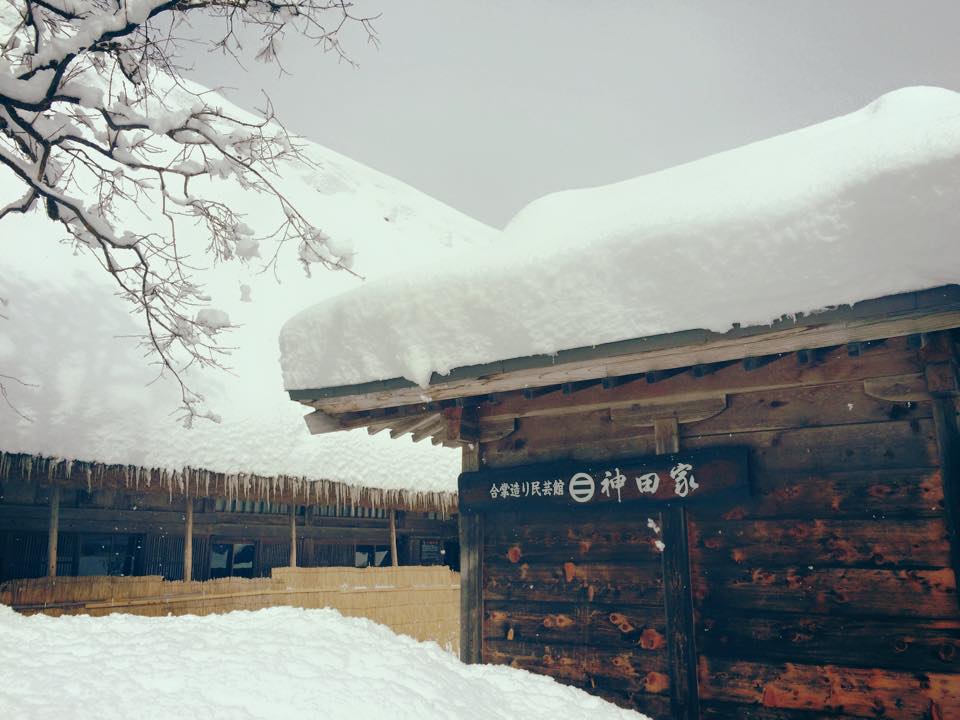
(108, 554)
(232, 559)
(372, 556)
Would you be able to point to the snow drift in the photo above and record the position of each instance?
(857, 207)
(278, 663)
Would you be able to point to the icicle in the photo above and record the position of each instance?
(89, 475)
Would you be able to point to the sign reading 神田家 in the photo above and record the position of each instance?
(685, 478)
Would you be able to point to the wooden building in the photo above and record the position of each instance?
(760, 524)
(63, 518)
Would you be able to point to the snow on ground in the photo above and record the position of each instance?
(276, 663)
(70, 335)
(857, 207)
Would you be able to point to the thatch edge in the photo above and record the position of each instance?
(202, 483)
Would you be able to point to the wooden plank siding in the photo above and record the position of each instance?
(831, 592)
(580, 601)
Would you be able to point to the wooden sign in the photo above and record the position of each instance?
(688, 478)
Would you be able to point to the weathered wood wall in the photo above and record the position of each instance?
(581, 601)
(159, 521)
(831, 593)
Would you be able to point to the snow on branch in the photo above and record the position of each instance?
(97, 125)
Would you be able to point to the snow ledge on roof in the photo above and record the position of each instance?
(857, 207)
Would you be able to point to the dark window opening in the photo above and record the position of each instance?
(108, 554)
(233, 559)
(372, 556)
(451, 554)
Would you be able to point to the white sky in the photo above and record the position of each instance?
(488, 105)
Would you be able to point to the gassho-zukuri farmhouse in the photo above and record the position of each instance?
(708, 421)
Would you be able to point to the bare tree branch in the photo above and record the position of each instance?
(96, 123)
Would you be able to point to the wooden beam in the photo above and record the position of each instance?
(899, 388)
(948, 444)
(471, 572)
(413, 424)
(784, 373)
(677, 592)
(395, 560)
(293, 536)
(188, 540)
(666, 435)
(436, 425)
(53, 531)
(683, 412)
(374, 427)
(318, 423)
(498, 429)
(462, 426)
(941, 380)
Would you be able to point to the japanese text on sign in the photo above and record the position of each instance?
(582, 486)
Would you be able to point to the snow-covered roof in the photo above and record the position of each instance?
(70, 336)
(861, 206)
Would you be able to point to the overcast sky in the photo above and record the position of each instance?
(488, 105)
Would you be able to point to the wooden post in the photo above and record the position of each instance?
(471, 571)
(188, 541)
(53, 531)
(293, 536)
(393, 538)
(948, 444)
(943, 384)
(5, 556)
(677, 592)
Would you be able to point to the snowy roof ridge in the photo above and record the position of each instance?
(862, 206)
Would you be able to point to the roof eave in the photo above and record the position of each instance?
(896, 315)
